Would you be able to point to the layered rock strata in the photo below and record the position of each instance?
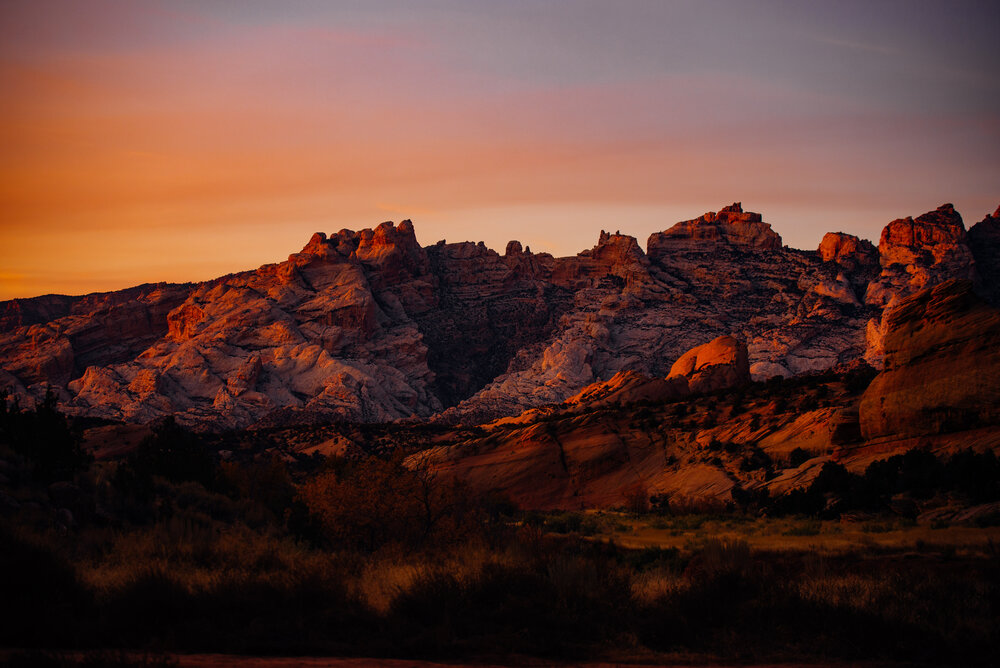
(371, 326)
(942, 366)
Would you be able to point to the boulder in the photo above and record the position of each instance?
(717, 365)
(848, 251)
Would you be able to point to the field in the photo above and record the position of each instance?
(827, 537)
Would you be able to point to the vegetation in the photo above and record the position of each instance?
(175, 548)
(917, 474)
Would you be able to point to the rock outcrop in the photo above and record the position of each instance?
(717, 365)
(984, 240)
(731, 226)
(942, 366)
(915, 254)
(371, 326)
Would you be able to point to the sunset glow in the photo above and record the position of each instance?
(177, 141)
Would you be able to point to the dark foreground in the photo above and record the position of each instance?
(168, 550)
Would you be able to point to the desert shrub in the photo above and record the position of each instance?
(264, 481)
(976, 475)
(44, 437)
(755, 459)
(636, 499)
(804, 528)
(40, 595)
(650, 558)
(175, 453)
(374, 502)
(562, 604)
(858, 380)
(798, 457)
(569, 522)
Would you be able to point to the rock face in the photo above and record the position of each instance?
(589, 453)
(856, 256)
(942, 366)
(371, 326)
(730, 226)
(717, 365)
(915, 254)
(984, 239)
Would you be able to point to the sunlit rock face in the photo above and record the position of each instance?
(368, 325)
(942, 366)
(731, 226)
(915, 254)
(716, 365)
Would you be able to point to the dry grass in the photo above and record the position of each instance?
(803, 534)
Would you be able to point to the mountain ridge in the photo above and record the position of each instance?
(371, 326)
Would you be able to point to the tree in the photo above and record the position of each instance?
(377, 502)
(44, 437)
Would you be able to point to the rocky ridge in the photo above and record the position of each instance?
(942, 366)
(634, 435)
(371, 326)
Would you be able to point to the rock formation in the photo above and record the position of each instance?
(942, 366)
(717, 365)
(371, 326)
(984, 239)
(730, 227)
(915, 254)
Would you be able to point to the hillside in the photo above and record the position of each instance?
(370, 326)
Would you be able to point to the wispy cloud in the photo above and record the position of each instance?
(856, 46)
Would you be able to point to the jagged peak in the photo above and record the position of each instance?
(841, 246)
(730, 226)
(942, 225)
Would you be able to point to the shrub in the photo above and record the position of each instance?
(376, 502)
(174, 453)
(798, 457)
(44, 437)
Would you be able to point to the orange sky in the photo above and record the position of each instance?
(180, 141)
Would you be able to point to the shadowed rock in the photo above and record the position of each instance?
(942, 366)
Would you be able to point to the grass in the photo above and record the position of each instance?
(804, 534)
(187, 587)
(247, 563)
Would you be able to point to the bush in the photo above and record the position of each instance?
(798, 457)
(40, 594)
(376, 502)
(174, 453)
(44, 437)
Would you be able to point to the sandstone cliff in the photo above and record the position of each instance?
(939, 391)
(371, 326)
(942, 366)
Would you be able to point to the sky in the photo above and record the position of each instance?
(148, 140)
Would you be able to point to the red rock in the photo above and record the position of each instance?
(847, 250)
(717, 365)
(730, 226)
(367, 325)
(984, 240)
(942, 366)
